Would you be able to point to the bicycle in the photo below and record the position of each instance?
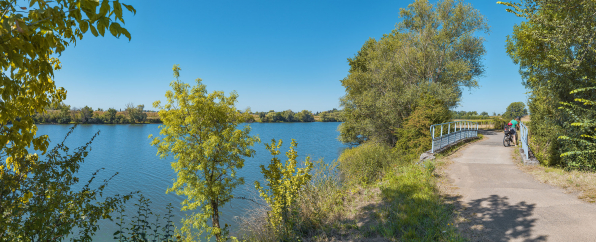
(508, 138)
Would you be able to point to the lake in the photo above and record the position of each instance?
(126, 149)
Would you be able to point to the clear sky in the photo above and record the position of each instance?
(277, 55)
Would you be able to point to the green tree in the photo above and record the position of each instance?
(86, 114)
(484, 114)
(556, 53)
(64, 114)
(200, 131)
(273, 117)
(111, 115)
(135, 114)
(515, 109)
(304, 116)
(288, 116)
(262, 116)
(434, 49)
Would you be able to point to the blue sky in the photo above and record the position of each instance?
(277, 55)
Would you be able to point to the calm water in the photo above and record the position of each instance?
(126, 149)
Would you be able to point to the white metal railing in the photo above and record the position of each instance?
(453, 133)
(524, 139)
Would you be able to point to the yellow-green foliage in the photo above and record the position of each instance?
(415, 211)
(581, 153)
(554, 61)
(199, 130)
(367, 162)
(34, 35)
(285, 182)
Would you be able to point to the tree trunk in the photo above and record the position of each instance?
(215, 219)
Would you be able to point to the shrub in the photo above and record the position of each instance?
(414, 137)
(318, 206)
(580, 141)
(499, 123)
(284, 183)
(366, 163)
(142, 226)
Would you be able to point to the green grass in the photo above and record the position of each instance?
(414, 210)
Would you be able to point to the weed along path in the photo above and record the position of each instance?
(498, 202)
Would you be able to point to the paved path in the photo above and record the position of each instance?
(506, 204)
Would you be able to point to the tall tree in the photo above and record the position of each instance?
(555, 50)
(111, 115)
(435, 49)
(288, 115)
(200, 131)
(515, 109)
(135, 114)
(304, 116)
(86, 114)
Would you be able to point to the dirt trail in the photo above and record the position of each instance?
(503, 203)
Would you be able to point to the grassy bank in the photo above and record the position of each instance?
(371, 193)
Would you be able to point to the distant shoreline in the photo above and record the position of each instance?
(162, 123)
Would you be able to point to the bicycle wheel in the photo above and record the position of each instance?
(506, 140)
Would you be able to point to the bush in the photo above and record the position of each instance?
(580, 139)
(284, 182)
(318, 206)
(367, 163)
(499, 123)
(543, 142)
(144, 225)
(414, 137)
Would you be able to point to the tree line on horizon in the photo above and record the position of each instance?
(515, 109)
(60, 113)
(272, 116)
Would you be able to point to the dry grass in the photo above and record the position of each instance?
(580, 182)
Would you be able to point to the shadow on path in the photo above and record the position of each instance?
(494, 219)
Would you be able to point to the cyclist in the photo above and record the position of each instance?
(514, 123)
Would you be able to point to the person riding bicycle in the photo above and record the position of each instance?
(514, 123)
